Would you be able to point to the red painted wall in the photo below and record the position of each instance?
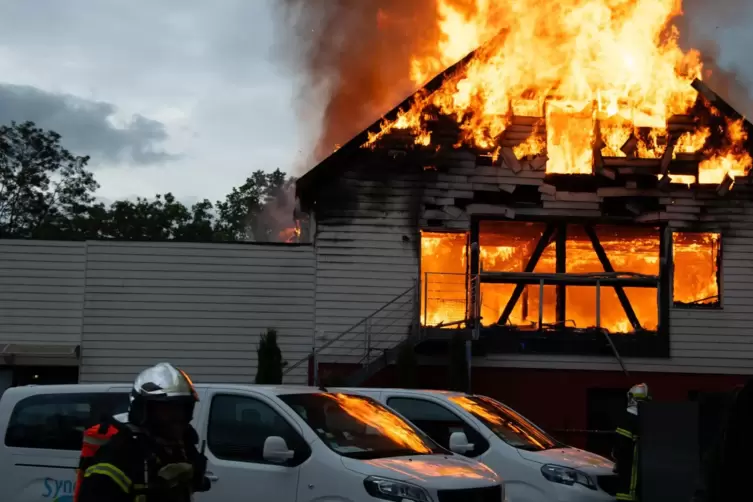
(556, 399)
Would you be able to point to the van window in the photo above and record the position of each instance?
(507, 424)
(359, 427)
(438, 422)
(57, 421)
(239, 425)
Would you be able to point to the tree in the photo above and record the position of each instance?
(240, 213)
(43, 187)
(269, 360)
(46, 192)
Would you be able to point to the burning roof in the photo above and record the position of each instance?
(571, 87)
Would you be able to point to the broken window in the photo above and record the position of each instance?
(696, 258)
(444, 278)
(532, 247)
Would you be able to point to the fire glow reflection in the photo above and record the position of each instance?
(507, 246)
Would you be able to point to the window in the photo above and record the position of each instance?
(239, 426)
(509, 248)
(444, 278)
(438, 422)
(696, 258)
(57, 421)
(359, 427)
(507, 424)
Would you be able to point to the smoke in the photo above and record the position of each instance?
(356, 55)
(720, 31)
(356, 58)
(279, 219)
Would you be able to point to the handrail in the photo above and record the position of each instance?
(317, 350)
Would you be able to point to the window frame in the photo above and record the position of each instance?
(719, 305)
(480, 444)
(423, 293)
(298, 443)
(100, 399)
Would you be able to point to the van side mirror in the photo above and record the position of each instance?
(459, 443)
(276, 450)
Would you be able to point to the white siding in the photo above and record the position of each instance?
(201, 306)
(41, 294)
(366, 257)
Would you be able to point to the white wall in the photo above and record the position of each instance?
(132, 304)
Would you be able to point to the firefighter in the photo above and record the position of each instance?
(625, 453)
(154, 456)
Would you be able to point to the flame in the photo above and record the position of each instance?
(696, 257)
(291, 235)
(505, 247)
(386, 422)
(732, 160)
(581, 59)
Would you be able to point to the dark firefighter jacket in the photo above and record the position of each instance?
(133, 467)
(626, 457)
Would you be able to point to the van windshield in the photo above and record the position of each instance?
(359, 427)
(506, 423)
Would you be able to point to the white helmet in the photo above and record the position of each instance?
(637, 393)
(164, 383)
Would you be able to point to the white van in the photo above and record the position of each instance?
(287, 444)
(536, 467)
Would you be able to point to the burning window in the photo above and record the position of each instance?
(696, 269)
(509, 246)
(444, 278)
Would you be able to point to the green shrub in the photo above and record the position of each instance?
(269, 363)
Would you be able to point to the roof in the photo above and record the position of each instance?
(333, 165)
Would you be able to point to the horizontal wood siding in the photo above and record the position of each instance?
(366, 257)
(200, 306)
(41, 293)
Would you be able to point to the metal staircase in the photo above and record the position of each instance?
(373, 343)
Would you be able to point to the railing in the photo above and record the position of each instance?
(445, 299)
(384, 328)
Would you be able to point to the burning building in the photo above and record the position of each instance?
(569, 191)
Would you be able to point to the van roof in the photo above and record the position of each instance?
(276, 390)
(446, 393)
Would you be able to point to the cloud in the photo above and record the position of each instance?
(87, 127)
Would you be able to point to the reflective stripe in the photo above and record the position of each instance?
(112, 472)
(634, 472)
(624, 496)
(96, 441)
(625, 432)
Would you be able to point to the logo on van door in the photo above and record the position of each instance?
(58, 490)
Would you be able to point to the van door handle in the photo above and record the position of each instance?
(211, 477)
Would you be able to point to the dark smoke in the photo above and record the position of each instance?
(356, 58)
(702, 25)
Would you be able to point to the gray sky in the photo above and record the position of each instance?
(166, 95)
(182, 95)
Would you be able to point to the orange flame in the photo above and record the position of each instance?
(291, 235)
(382, 420)
(571, 63)
(507, 247)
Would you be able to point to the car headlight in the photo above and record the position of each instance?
(389, 489)
(567, 476)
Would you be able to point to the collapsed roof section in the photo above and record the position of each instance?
(709, 146)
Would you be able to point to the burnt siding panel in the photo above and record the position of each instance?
(366, 257)
(41, 292)
(199, 306)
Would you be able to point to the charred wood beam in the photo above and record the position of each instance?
(726, 185)
(717, 102)
(546, 237)
(527, 278)
(604, 259)
(561, 267)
